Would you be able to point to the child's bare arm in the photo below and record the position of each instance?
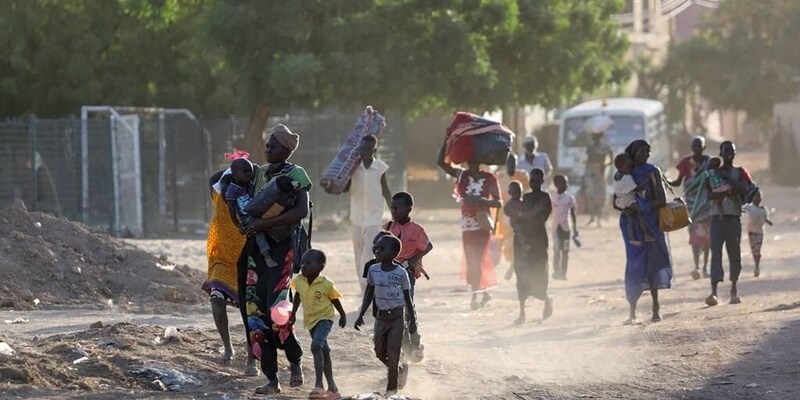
(769, 222)
(369, 294)
(342, 315)
(412, 314)
(574, 220)
(415, 260)
(295, 307)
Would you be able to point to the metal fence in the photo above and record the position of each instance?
(146, 173)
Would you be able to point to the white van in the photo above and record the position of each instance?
(634, 118)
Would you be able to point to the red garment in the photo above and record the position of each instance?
(414, 239)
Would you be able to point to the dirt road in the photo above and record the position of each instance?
(746, 351)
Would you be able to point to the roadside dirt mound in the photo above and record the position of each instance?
(122, 357)
(49, 262)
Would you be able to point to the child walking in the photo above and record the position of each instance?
(319, 297)
(563, 209)
(625, 190)
(388, 285)
(757, 216)
(415, 246)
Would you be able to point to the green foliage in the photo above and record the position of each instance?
(412, 55)
(59, 55)
(746, 57)
(219, 56)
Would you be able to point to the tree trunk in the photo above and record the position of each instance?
(254, 139)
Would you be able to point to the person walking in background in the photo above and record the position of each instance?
(478, 193)
(564, 225)
(726, 223)
(648, 264)
(415, 246)
(757, 217)
(530, 158)
(690, 173)
(598, 156)
(529, 217)
(503, 231)
(369, 192)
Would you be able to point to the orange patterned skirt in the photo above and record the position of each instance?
(224, 246)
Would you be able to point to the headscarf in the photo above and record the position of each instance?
(285, 137)
(634, 147)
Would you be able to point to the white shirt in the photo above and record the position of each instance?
(366, 195)
(540, 160)
(562, 204)
(624, 190)
(756, 218)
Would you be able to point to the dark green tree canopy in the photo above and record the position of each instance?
(746, 57)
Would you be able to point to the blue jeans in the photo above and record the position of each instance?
(726, 231)
(319, 335)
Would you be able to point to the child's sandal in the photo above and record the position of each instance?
(318, 393)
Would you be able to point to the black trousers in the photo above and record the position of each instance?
(726, 231)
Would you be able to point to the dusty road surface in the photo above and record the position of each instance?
(746, 351)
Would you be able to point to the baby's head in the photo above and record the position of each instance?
(515, 190)
(623, 163)
(714, 163)
(561, 182)
(286, 184)
(242, 170)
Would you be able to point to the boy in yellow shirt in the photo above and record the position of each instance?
(319, 296)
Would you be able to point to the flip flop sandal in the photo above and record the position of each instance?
(711, 301)
(333, 395)
(318, 393)
(695, 274)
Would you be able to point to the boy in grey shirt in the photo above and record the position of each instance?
(388, 285)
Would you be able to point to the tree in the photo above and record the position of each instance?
(59, 55)
(411, 55)
(746, 57)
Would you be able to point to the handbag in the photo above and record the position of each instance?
(675, 214)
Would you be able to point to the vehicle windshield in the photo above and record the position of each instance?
(626, 129)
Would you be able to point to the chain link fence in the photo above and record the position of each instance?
(146, 173)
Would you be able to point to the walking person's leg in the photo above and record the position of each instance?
(394, 343)
(358, 249)
(756, 240)
(319, 342)
(474, 247)
(557, 271)
(564, 258)
(717, 274)
(734, 250)
(219, 309)
(656, 307)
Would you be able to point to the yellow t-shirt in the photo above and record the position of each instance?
(315, 298)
